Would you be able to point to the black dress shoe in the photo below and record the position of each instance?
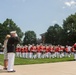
(12, 71)
(74, 59)
(5, 68)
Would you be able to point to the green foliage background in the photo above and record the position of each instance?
(56, 34)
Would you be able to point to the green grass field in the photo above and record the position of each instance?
(22, 61)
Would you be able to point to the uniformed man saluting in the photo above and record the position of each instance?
(11, 45)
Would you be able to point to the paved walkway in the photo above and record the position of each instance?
(61, 68)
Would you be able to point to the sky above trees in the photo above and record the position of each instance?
(36, 15)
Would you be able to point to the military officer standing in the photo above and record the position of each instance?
(11, 45)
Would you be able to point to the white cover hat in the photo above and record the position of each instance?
(12, 32)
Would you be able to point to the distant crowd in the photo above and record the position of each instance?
(45, 51)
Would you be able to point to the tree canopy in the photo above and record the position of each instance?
(69, 26)
(30, 38)
(62, 35)
(55, 34)
(52, 35)
(7, 26)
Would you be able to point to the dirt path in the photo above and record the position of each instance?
(61, 68)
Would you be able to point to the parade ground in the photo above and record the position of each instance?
(59, 68)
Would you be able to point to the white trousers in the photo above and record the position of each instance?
(43, 55)
(39, 55)
(20, 54)
(35, 56)
(30, 55)
(11, 57)
(23, 55)
(17, 54)
(74, 55)
(47, 55)
(26, 55)
(57, 54)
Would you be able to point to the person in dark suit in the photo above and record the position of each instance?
(11, 46)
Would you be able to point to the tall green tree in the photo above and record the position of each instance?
(53, 34)
(7, 26)
(30, 38)
(69, 26)
(1, 33)
(63, 35)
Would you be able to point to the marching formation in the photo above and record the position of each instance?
(45, 51)
(11, 47)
